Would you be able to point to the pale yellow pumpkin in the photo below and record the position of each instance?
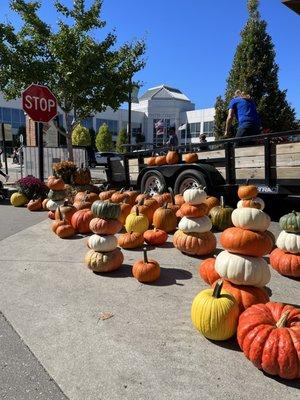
(250, 218)
(289, 242)
(18, 199)
(102, 243)
(136, 222)
(199, 225)
(195, 195)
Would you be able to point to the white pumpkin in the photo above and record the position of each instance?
(250, 218)
(243, 270)
(289, 242)
(199, 225)
(102, 243)
(195, 195)
(255, 200)
(52, 205)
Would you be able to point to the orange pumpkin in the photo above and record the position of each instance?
(151, 161)
(106, 195)
(118, 197)
(163, 198)
(286, 264)
(172, 157)
(175, 207)
(131, 240)
(125, 210)
(55, 183)
(34, 205)
(207, 271)
(251, 203)
(63, 228)
(105, 226)
(179, 200)
(51, 215)
(65, 211)
(164, 218)
(81, 220)
(44, 204)
(155, 237)
(143, 209)
(131, 195)
(195, 243)
(141, 196)
(211, 202)
(146, 270)
(160, 160)
(190, 158)
(247, 191)
(152, 203)
(193, 211)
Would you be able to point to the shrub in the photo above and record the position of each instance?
(104, 139)
(121, 139)
(81, 136)
(32, 187)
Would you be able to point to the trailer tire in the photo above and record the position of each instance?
(188, 179)
(153, 182)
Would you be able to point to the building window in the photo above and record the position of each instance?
(113, 125)
(194, 129)
(208, 128)
(87, 123)
(13, 117)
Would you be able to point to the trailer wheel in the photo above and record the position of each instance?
(188, 179)
(153, 182)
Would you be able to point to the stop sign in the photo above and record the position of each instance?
(39, 103)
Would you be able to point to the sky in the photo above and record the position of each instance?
(191, 43)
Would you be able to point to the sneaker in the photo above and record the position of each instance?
(7, 178)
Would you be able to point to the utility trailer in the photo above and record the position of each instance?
(271, 161)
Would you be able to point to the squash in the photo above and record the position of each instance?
(179, 200)
(62, 228)
(195, 195)
(163, 198)
(87, 196)
(104, 262)
(125, 210)
(250, 218)
(243, 270)
(102, 243)
(82, 176)
(144, 196)
(106, 210)
(290, 222)
(246, 242)
(195, 243)
(155, 237)
(131, 195)
(151, 203)
(34, 205)
(151, 161)
(172, 157)
(55, 183)
(285, 263)
(131, 240)
(256, 202)
(56, 195)
(105, 226)
(199, 225)
(221, 216)
(118, 197)
(207, 271)
(145, 270)
(215, 313)
(106, 194)
(247, 191)
(82, 203)
(193, 211)
(66, 210)
(211, 202)
(190, 158)
(145, 210)
(52, 205)
(136, 222)
(288, 242)
(269, 336)
(160, 160)
(165, 219)
(81, 220)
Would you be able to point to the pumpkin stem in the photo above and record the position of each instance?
(59, 213)
(282, 320)
(155, 229)
(217, 289)
(145, 255)
(122, 190)
(247, 182)
(294, 212)
(165, 206)
(222, 201)
(172, 195)
(137, 211)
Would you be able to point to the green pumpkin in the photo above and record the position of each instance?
(290, 222)
(106, 210)
(56, 195)
(221, 216)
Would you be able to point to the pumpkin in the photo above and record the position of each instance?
(35, 205)
(190, 158)
(146, 270)
(144, 196)
(44, 204)
(106, 195)
(81, 220)
(151, 161)
(131, 240)
(215, 313)
(290, 222)
(193, 211)
(243, 241)
(62, 228)
(289, 242)
(285, 263)
(145, 210)
(195, 195)
(243, 270)
(106, 210)
(211, 202)
(246, 296)
(172, 157)
(163, 198)
(151, 203)
(104, 262)
(86, 196)
(155, 237)
(136, 222)
(256, 202)
(66, 210)
(172, 204)
(52, 205)
(102, 243)
(199, 225)
(195, 243)
(131, 195)
(118, 197)
(160, 160)
(82, 176)
(178, 214)
(105, 226)
(164, 218)
(179, 200)
(272, 237)
(207, 271)
(82, 203)
(269, 335)
(56, 195)
(250, 218)
(221, 216)
(55, 183)
(247, 191)
(125, 210)
(51, 215)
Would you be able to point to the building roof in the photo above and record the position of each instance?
(293, 5)
(163, 92)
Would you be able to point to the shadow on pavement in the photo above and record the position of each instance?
(295, 383)
(230, 344)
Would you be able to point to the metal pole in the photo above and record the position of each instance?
(39, 127)
(4, 147)
(129, 113)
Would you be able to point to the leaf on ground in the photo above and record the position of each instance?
(105, 315)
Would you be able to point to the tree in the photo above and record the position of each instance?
(104, 139)
(81, 136)
(86, 75)
(122, 138)
(255, 71)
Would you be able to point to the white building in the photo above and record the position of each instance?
(161, 103)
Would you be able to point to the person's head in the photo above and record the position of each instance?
(237, 93)
(203, 137)
(245, 95)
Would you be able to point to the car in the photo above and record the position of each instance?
(102, 157)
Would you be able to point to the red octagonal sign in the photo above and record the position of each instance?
(39, 103)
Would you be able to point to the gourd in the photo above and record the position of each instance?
(195, 243)
(136, 222)
(151, 161)
(81, 220)
(179, 200)
(155, 237)
(288, 242)
(144, 209)
(82, 202)
(106, 194)
(145, 270)
(290, 222)
(66, 210)
(18, 199)
(269, 334)
(207, 271)
(52, 205)
(131, 240)
(118, 197)
(250, 218)
(56, 195)
(160, 160)
(106, 210)
(35, 205)
(86, 196)
(243, 270)
(131, 195)
(165, 219)
(285, 263)
(63, 228)
(221, 216)
(199, 225)
(55, 183)
(193, 211)
(247, 191)
(172, 157)
(196, 195)
(104, 262)
(102, 243)
(125, 210)
(105, 226)
(256, 202)
(215, 313)
(190, 158)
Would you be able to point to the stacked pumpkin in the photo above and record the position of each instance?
(104, 255)
(286, 258)
(56, 195)
(194, 235)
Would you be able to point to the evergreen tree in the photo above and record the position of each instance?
(81, 136)
(122, 138)
(255, 71)
(104, 139)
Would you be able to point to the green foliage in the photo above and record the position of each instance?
(255, 71)
(104, 139)
(121, 139)
(81, 136)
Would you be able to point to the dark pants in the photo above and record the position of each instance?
(2, 173)
(247, 130)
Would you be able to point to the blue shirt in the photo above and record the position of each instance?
(245, 111)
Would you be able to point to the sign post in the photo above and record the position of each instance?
(40, 105)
